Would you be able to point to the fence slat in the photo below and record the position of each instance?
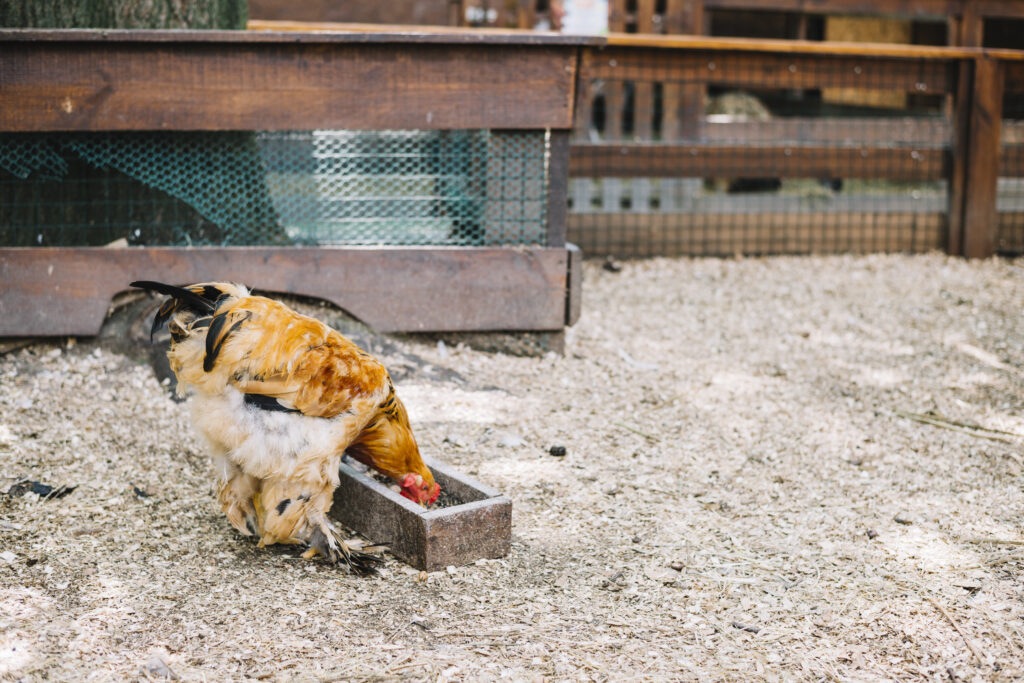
(782, 71)
(804, 161)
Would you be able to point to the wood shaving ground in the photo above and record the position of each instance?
(735, 421)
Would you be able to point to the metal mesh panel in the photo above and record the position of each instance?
(723, 153)
(474, 187)
(1010, 188)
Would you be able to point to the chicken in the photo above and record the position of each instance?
(279, 398)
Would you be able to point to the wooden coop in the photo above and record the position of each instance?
(417, 179)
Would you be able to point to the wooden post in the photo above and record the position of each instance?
(524, 14)
(981, 170)
(959, 111)
(972, 27)
(682, 105)
(614, 96)
(457, 12)
(643, 111)
(558, 182)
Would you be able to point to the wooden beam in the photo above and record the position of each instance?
(919, 9)
(93, 85)
(779, 46)
(66, 291)
(307, 33)
(678, 234)
(981, 171)
(844, 130)
(904, 9)
(773, 70)
(747, 161)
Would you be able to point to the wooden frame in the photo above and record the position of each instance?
(97, 80)
(231, 80)
(410, 289)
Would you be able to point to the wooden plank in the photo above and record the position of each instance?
(746, 161)
(315, 33)
(282, 86)
(844, 130)
(979, 222)
(773, 70)
(685, 234)
(66, 291)
(920, 9)
(558, 187)
(905, 9)
(779, 46)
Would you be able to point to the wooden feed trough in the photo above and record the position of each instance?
(479, 527)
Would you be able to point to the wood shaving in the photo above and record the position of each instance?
(746, 413)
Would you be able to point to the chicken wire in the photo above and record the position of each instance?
(466, 187)
(745, 163)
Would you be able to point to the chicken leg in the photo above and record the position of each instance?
(293, 511)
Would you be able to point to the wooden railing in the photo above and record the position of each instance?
(669, 137)
(965, 19)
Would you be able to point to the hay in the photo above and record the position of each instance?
(724, 511)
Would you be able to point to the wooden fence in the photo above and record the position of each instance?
(965, 19)
(644, 151)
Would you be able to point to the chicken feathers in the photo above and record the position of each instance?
(279, 398)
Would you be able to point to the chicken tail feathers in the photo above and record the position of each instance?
(197, 302)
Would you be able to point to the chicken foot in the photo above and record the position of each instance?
(290, 513)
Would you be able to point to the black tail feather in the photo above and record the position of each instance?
(201, 305)
(194, 301)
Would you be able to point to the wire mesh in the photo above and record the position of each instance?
(679, 152)
(472, 187)
(1010, 185)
